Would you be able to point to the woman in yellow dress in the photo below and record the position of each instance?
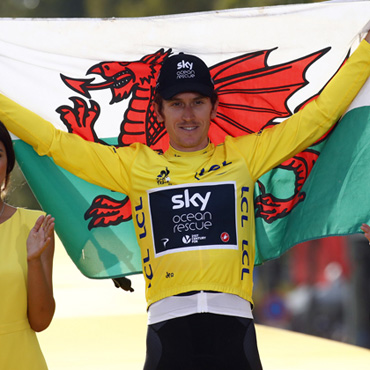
(26, 257)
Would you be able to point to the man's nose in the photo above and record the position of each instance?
(188, 112)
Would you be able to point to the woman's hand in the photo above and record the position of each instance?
(39, 237)
(40, 252)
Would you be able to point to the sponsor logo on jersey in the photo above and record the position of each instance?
(164, 177)
(186, 201)
(193, 216)
(225, 237)
(215, 167)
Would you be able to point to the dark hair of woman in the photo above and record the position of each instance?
(8, 144)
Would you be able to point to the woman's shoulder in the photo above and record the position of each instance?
(29, 214)
(21, 216)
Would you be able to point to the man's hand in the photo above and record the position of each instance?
(366, 229)
(124, 283)
(367, 38)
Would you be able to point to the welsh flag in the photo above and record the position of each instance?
(96, 78)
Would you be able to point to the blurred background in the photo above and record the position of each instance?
(122, 8)
(321, 287)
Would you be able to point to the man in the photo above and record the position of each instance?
(192, 206)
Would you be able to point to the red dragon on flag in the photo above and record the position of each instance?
(252, 95)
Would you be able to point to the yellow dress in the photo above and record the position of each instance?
(19, 347)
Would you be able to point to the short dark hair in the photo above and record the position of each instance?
(10, 155)
(159, 100)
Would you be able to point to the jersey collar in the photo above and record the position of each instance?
(172, 152)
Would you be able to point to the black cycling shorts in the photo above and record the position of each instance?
(202, 342)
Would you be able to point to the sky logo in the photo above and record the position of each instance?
(185, 200)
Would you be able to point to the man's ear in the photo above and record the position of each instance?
(214, 109)
(160, 118)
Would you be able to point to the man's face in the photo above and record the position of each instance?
(187, 118)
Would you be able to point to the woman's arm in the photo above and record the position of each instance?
(40, 253)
